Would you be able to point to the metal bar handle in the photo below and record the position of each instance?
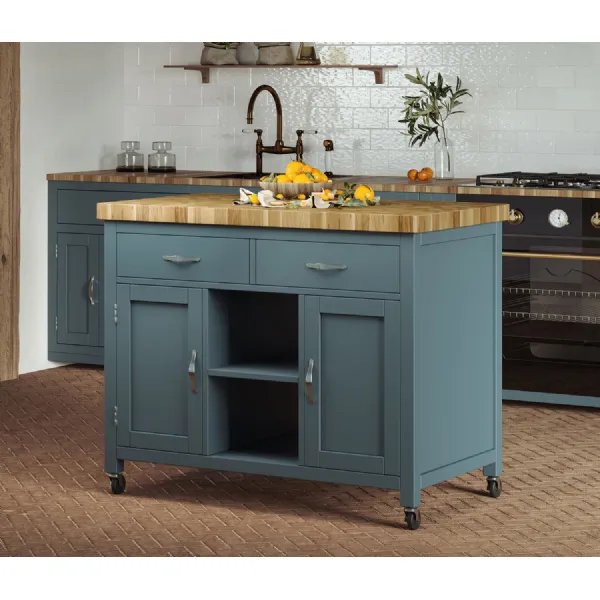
(309, 381)
(192, 372)
(181, 259)
(91, 290)
(325, 267)
(551, 255)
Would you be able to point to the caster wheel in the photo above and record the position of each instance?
(494, 488)
(117, 484)
(412, 518)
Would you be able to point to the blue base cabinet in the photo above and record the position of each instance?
(386, 372)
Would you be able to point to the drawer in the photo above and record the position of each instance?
(184, 258)
(354, 267)
(78, 207)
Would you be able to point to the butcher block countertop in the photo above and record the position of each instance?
(389, 217)
(379, 184)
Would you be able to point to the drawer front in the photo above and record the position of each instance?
(78, 207)
(328, 266)
(176, 257)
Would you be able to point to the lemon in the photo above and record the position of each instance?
(301, 197)
(303, 178)
(254, 199)
(319, 176)
(283, 179)
(264, 177)
(364, 193)
(307, 169)
(293, 168)
(279, 196)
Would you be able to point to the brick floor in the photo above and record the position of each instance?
(55, 500)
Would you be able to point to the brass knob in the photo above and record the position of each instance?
(595, 220)
(515, 217)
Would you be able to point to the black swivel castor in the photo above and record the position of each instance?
(412, 517)
(494, 487)
(117, 484)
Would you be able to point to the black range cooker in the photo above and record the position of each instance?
(551, 287)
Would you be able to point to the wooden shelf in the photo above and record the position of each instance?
(258, 371)
(205, 69)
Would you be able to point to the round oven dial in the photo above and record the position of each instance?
(558, 218)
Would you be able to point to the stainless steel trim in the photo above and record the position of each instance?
(550, 255)
(325, 267)
(181, 259)
(309, 381)
(91, 290)
(192, 372)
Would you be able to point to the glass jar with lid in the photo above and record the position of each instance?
(131, 159)
(161, 161)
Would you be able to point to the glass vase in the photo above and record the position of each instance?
(443, 158)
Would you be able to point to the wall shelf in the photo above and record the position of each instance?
(205, 69)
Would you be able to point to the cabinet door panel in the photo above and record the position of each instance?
(78, 262)
(158, 329)
(353, 423)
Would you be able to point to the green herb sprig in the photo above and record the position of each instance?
(426, 113)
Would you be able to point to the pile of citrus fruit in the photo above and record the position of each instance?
(298, 172)
(422, 175)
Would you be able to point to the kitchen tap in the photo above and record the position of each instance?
(279, 147)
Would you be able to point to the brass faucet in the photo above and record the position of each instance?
(279, 147)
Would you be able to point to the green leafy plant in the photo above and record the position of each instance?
(427, 112)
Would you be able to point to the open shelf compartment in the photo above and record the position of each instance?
(252, 420)
(253, 336)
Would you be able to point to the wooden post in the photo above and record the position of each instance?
(9, 208)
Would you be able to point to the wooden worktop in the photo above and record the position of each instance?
(379, 184)
(389, 217)
(390, 183)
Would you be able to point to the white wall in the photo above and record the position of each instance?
(71, 119)
(535, 106)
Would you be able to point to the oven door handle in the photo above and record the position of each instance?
(554, 256)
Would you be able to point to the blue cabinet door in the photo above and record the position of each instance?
(78, 297)
(159, 331)
(352, 407)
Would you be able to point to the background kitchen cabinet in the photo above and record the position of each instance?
(75, 254)
(159, 330)
(353, 421)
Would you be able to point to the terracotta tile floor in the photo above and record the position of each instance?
(55, 500)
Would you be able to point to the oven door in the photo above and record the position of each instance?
(551, 316)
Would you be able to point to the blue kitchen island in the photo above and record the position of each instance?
(353, 345)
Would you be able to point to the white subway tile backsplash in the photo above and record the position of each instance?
(555, 120)
(427, 54)
(184, 95)
(498, 141)
(354, 97)
(535, 142)
(201, 115)
(535, 106)
(387, 97)
(153, 95)
(577, 143)
(536, 98)
(169, 115)
(387, 139)
(370, 118)
(555, 77)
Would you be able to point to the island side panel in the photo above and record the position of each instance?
(457, 348)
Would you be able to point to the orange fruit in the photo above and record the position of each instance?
(307, 169)
(423, 176)
(428, 171)
(412, 174)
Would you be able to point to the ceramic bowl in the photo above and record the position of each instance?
(291, 190)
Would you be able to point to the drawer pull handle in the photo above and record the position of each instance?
(309, 381)
(91, 290)
(192, 372)
(325, 267)
(181, 259)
